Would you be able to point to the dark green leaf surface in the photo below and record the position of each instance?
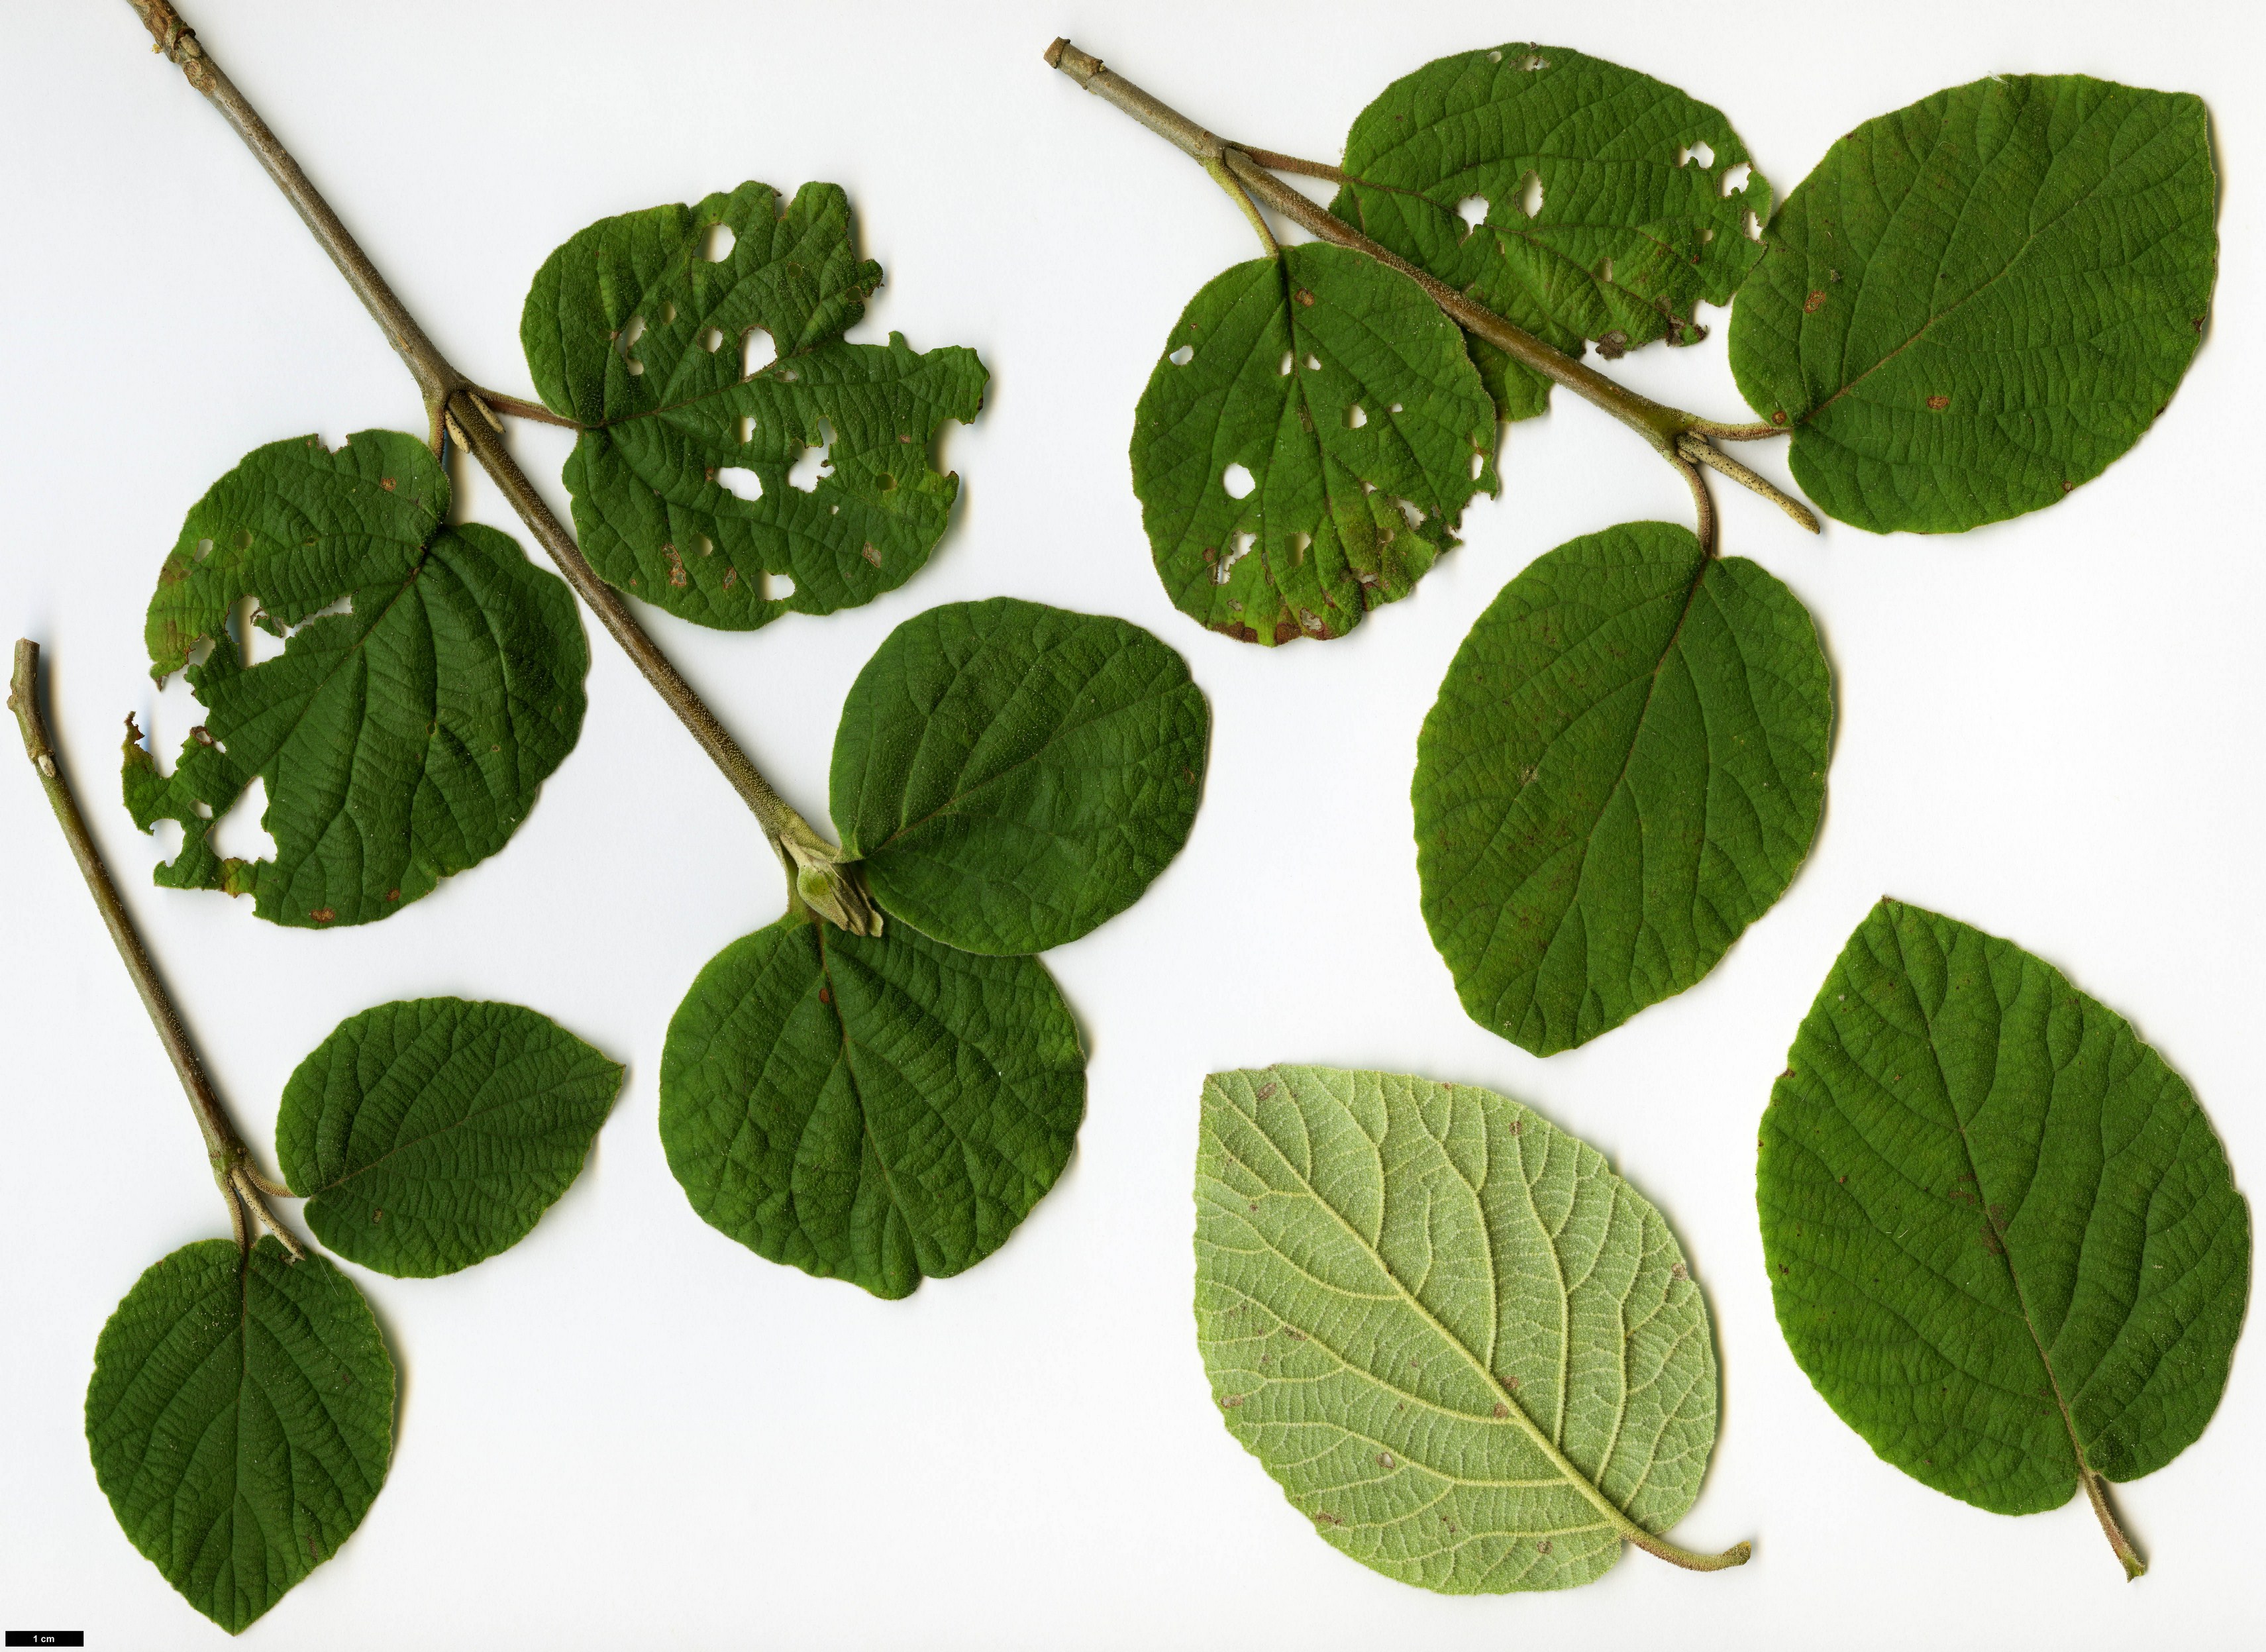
(1346, 396)
(632, 329)
(1468, 1351)
(240, 1418)
(400, 741)
(874, 1110)
(1625, 767)
(1629, 228)
(1015, 774)
(2004, 1242)
(1978, 301)
(429, 1133)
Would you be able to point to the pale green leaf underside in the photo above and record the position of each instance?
(1978, 301)
(1466, 1350)
(1348, 400)
(1014, 774)
(240, 1418)
(1624, 769)
(875, 1110)
(428, 1134)
(400, 741)
(632, 329)
(1630, 228)
(1999, 1230)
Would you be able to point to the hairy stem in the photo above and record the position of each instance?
(817, 877)
(1660, 425)
(1226, 180)
(241, 1183)
(2127, 1556)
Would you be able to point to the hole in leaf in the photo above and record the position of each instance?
(1535, 61)
(1395, 407)
(343, 605)
(1530, 194)
(1495, 57)
(203, 550)
(1606, 270)
(1706, 234)
(1479, 463)
(739, 482)
(1298, 544)
(238, 835)
(1736, 179)
(719, 245)
(815, 466)
(756, 351)
(1355, 417)
(1182, 356)
(779, 586)
(1239, 481)
(1472, 209)
(1289, 361)
(747, 428)
(706, 546)
(712, 339)
(1750, 225)
(627, 341)
(1238, 548)
(667, 314)
(1699, 151)
(1412, 513)
(1314, 363)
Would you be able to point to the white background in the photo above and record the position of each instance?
(630, 1431)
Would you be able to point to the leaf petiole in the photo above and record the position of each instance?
(2097, 1490)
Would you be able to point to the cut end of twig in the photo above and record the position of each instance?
(1081, 67)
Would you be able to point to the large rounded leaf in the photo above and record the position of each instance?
(874, 1110)
(685, 478)
(1978, 301)
(240, 1417)
(1014, 774)
(1577, 198)
(1625, 766)
(399, 741)
(1304, 449)
(428, 1134)
(1471, 1355)
(2003, 1243)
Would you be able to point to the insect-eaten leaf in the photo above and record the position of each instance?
(398, 741)
(701, 350)
(1306, 447)
(2005, 1244)
(429, 1133)
(1624, 769)
(877, 1110)
(1579, 200)
(1014, 774)
(1471, 1355)
(1977, 303)
(240, 1419)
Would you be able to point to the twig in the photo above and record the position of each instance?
(241, 1183)
(817, 876)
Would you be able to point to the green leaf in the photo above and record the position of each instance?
(1306, 445)
(398, 741)
(1600, 221)
(1014, 774)
(429, 1133)
(636, 331)
(2004, 1242)
(240, 1418)
(874, 1110)
(1465, 1349)
(1978, 301)
(1625, 767)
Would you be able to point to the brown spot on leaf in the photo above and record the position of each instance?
(1814, 302)
(1266, 1090)
(1231, 1402)
(1614, 346)
(386, 483)
(676, 566)
(1679, 1271)
(871, 553)
(323, 914)
(1306, 298)
(1240, 632)
(202, 736)
(1778, 416)
(378, 1216)
(1284, 630)
(1937, 404)
(825, 995)
(1501, 1409)
(1542, 1546)
(1385, 1459)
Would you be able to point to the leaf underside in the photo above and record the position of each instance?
(429, 1133)
(2003, 1240)
(632, 329)
(398, 741)
(1630, 227)
(1452, 1335)
(1977, 303)
(1346, 396)
(1014, 774)
(240, 1418)
(874, 1110)
(1624, 769)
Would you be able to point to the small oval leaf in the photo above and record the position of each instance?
(240, 1417)
(1014, 774)
(429, 1133)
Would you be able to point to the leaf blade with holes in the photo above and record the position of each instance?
(1624, 768)
(398, 743)
(631, 329)
(1347, 398)
(1013, 775)
(1631, 227)
(877, 1110)
(2003, 1241)
(429, 1133)
(1979, 302)
(240, 1418)
(1383, 1311)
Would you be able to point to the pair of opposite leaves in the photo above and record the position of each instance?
(2004, 1242)
(1972, 305)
